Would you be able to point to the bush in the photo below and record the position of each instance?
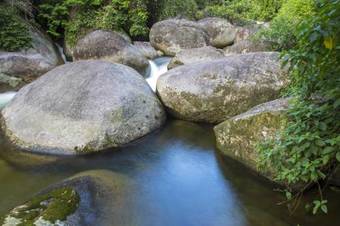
(282, 31)
(76, 17)
(14, 33)
(244, 10)
(308, 149)
(173, 8)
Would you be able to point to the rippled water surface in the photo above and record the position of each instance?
(179, 178)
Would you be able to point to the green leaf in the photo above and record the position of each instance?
(338, 156)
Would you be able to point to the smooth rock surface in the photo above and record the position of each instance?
(94, 198)
(112, 47)
(221, 33)
(82, 107)
(147, 50)
(173, 35)
(238, 136)
(247, 46)
(217, 90)
(189, 56)
(20, 68)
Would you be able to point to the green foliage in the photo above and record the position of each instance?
(14, 33)
(243, 10)
(308, 149)
(282, 31)
(76, 17)
(173, 8)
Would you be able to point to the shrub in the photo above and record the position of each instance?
(244, 10)
(282, 31)
(14, 33)
(308, 149)
(173, 8)
(76, 17)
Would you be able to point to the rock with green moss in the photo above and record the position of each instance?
(112, 47)
(89, 198)
(173, 35)
(239, 136)
(82, 107)
(216, 90)
(220, 31)
(189, 56)
(23, 66)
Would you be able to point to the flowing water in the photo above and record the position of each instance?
(179, 177)
(157, 67)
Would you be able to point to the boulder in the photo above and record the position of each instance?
(20, 68)
(110, 46)
(246, 32)
(238, 136)
(247, 46)
(89, 198)
(189, 56)
(82, 107)
(147, 50)
(217, 90)
(221, 33)
(171, 36)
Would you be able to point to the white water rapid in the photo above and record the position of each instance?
(5, 98)
(157, 67)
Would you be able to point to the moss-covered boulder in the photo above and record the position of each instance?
(82, 107)
(112, 47)
(216, 90)
(147, 50)
(22, 66)
(89, 198)
(239, 136)
(221, 33)
(173, 35)
(189, 56)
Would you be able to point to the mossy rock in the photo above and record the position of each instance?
(89, 198)
(238, 137)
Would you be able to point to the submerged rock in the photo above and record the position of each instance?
(110, 46)
(238, 136)
(82, 107)
(171, 36)
(189, 56)
(217, 90)
(89, 198)
(147, 50)
(221, 33)
(20, 68)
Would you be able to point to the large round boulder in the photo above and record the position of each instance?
(217, 90)
(82, 107)
(221, 33)
(189, 56)
(110, 46)
(19, 68)
(171, 36)
(90, 198)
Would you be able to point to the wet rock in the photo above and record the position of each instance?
(20, 68)
(221, 33)
(112, 47)
(82, 107)
(217, 90)
(89, 198)
(238, 136)
(147, 50)
(171, 36)
(189, 56)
